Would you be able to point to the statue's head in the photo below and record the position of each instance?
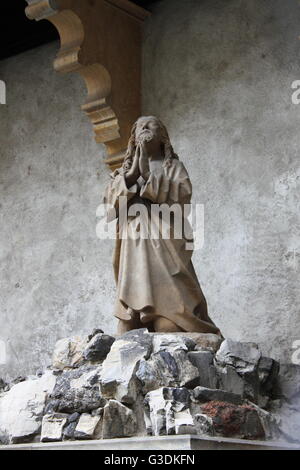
(149, 129)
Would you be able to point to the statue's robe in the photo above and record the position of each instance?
(156, 276)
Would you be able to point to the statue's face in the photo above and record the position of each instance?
(148, 129)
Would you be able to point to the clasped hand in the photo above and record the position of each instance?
(140, 166)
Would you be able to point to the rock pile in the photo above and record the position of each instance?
(142, 383)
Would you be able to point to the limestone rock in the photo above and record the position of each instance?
(97, 390)
(204, 425)
(162, 408)
(95, 332)
(204, 362)
(172, 342)
(269, 421)
(244, 357)
(68, 352)
(77, 390)
(118, 421)
(21, 409)
(237, 367)
(87, 426)
(230, 420)
(69, 429)
(208, 341)
(118, 378)
(52, 427)
(167, 369)
(184, 423)
(230, 380)
(98, 347)
(204, 395)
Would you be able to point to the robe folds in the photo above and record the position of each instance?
(155, 276)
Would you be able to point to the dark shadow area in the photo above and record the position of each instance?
(19, 34)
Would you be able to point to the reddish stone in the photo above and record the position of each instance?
(239, 421)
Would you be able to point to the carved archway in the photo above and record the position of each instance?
(101, 40)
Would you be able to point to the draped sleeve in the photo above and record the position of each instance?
(168, 185)
(115, 189)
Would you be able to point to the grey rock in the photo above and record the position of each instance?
(230, 380)
(52, 427)
(69, 431)
(288, 382)
(270, 422)
(263, 401)
(237, 367)
(184, 422)
(172, 342)
(169, 369)
(95, 332)
(87, 427)
(204, 362)
(118, 421)
(268, 370)
(161, 407)
(73, 418)
(141, 337)
(204, 395)
(200, 341)
(68, 352)
(244, 357)
(204, 425)
(97, 412)
(247, 384)
(118, 379)
(76, 390)
(21, 409)
(98, 347)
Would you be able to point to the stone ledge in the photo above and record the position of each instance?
(186, 442)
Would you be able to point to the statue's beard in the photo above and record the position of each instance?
(145, 136)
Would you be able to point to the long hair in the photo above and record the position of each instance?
(167, 148)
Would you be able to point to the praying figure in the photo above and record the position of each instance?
(157, 287)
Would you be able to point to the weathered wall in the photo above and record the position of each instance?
(56, 276)
(218, 73)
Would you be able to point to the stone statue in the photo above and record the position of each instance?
(157, 286)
